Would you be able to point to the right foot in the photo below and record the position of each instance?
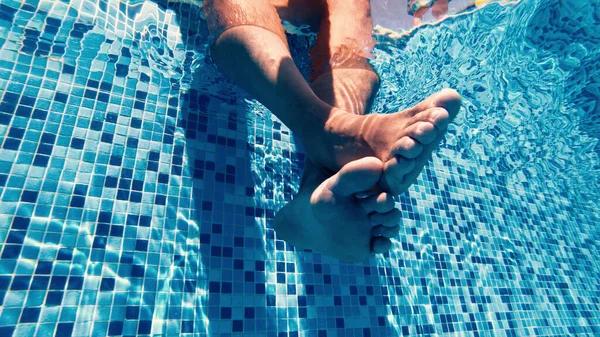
(403, 141)
(328, 217)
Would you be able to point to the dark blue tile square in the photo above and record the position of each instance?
(29, 196)
(106, 137)
(40, 282)
(107, 284)
(64, 254)
(45, 149)
(4, 282)
(11, 251)
(152, 166)
(54, 298)
(20, 283)
(160, 199)
(11, 144)
(135, 123)
(61, 97)
(17, 237)
(187, 326)
(77, 143)
(16, 132)
(39, 114)
(115, 160)
(145, 220)
(96, 125)
(41, 160)
(64, 329)
(77, 201)
(30, 315)
(135, 197)
(137, 271)
(115, 328)
(144, 327)
(132, 312)
(58, 282)
(44, 267)
(154, 155)
(237, 325)
(141, 245)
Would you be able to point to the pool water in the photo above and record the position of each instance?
(138, 185)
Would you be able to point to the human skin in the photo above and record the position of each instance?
(328, 115)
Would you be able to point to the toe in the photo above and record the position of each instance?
(389, 219)
(380, 245)
(355, 177)
(394, 173)
(400, 186)
(448, 99)
(399, 166)
(407, 148)
(439, 117)
(423, 132)
(381, 203)
(430, 118)
(386, 232)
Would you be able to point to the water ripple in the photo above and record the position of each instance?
(529, 98)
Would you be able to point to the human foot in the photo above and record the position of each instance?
(403, 140)
(328, 217)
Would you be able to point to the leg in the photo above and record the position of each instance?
(252, 50)
(300, 12)
(342, 76)
(256, 56)
(325, 202)
(349, 86)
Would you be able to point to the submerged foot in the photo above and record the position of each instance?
(403, 141)
(327, 215)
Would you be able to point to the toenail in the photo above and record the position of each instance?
(425, 127)
(440, 117)
(408, 148)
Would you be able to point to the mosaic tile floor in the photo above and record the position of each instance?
(138, 186)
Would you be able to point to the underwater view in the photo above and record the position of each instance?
(139, 185)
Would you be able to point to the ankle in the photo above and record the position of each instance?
(350, 89)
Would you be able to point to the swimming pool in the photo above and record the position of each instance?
(138, 186)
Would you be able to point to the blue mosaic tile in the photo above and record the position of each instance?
(138, 186)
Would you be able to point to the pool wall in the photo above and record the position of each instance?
(138, 185)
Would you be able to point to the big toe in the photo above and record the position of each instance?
(357, 176)
(380, 245)
(448, 99)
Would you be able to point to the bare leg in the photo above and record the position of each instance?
(255, 55)
(440, 9)
(335, 222)
(348, 83)
(251, 49)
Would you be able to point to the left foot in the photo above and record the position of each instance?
(327, 215)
